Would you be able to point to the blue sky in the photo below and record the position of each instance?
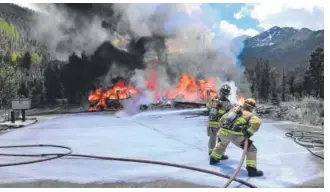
(238, 19)
(227, 11)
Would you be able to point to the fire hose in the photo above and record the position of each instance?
(192, 116)
(69, 153)
(56, 155)
(308, 139)
(240, 164)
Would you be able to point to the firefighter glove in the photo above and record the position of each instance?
(246, 134)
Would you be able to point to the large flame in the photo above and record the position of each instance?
(118, 92)
(191, 89)
(187, 89)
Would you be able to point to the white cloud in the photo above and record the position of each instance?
(238, 16)
(298, 15)
(190, 8)
(234, 31)
(245, 10)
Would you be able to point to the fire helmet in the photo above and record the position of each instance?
(249, 104)
(225, 90)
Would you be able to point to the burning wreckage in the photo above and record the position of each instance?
(187, 93)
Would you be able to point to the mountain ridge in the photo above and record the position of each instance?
(286, 46)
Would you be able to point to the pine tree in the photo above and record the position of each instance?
(283, 85)
(26, 61)
(266, 80)
(314, 74)
(258, 85)
(52, 82)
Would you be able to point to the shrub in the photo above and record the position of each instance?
(307, 110)
(9, 82)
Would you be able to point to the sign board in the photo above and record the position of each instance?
(19, 104)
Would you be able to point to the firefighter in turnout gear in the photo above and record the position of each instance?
(209, 100)
(236, 126)
(218, 107)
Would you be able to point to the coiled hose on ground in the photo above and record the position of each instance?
(52, 156)
(308, 139)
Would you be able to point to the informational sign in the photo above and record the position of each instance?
(19, 104)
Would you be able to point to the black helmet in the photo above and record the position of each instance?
(225, 90)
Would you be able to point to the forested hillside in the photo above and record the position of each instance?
(285, 67)
(22, 60)
(285, 63)
(44, 79)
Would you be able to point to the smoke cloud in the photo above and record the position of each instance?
(175, 34)
(193, 47)
(65, 32)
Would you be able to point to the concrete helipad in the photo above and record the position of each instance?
(159, 136)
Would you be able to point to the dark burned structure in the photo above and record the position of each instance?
(84, 73)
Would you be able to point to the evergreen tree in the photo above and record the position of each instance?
(76, 78)
(314, 74)
(262, 79)
(266, 76)
(26, 61)
(283, 85)
(52, 82)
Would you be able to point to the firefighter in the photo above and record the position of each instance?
(236, 126)
(218, 107)
(209, 99)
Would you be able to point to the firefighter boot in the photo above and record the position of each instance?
(214, 161)
(253, 172)
(224, 157)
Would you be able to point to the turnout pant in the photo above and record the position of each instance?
(237, 139)
(212, 133)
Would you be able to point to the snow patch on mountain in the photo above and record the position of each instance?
(271, 37)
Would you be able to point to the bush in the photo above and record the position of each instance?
(35, 58)
(9, 29)
(9, 82)
(308, 110)
(15, 56)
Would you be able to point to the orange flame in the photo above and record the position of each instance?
(208, 89)
(151, 81)
(241, 100)
(188, 88)
(191, 89)
(118, 92)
